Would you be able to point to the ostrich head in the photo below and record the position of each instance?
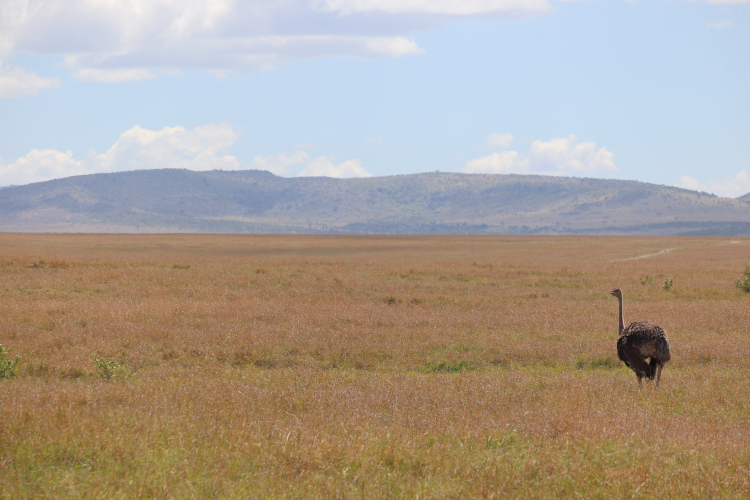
(616, 293)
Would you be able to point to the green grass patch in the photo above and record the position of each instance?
(597, 363)
(8, 366)
(448, 367)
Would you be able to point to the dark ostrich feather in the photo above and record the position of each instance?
(643, 340)
(639, 342)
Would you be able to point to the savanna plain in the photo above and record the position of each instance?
(175, 366)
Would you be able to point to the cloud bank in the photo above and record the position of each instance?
(19, 82)
(40, 165)
(123, 40)
(281, 164)
(559, 156)
(324, 167)
(171, 147)
(730, 187)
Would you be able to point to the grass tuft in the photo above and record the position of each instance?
(8, 366)
(597, 363)
(448, 367)
(108, 369)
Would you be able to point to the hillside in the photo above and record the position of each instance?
(253, 201)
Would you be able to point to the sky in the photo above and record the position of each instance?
(650, 90)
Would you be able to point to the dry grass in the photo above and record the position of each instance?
(431, 367)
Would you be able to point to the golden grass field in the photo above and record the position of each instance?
(369, 367)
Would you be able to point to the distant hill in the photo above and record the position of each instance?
(253, 201)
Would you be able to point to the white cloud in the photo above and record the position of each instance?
(388, 46)
(506, 162)
(719, 2)
(375, 141)
(444, 7)
(324, 167)
(136, 149)
(19, 82)
(113, 75)
(40, 165)
(500, 141)
(219, 55)
(171, 147)
(565, 155)
(730, 187)
(559, 156)
(122, 40)
(281, 164)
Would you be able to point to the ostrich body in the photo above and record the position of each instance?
(639, 341)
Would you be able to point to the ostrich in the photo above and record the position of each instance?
(639, 341)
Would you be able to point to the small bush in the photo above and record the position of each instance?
(744, 283)
(668, 284)
(448, 367)
(7, 367)
(647, 280)
(107, 368)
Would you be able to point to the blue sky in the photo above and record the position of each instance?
(656, 91)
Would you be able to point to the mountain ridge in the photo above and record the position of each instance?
(255, 201)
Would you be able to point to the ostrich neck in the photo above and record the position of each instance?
(622, 322)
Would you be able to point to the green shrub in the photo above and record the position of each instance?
(7, 367)
(668, 284)
(744, 283)
(108, 369)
